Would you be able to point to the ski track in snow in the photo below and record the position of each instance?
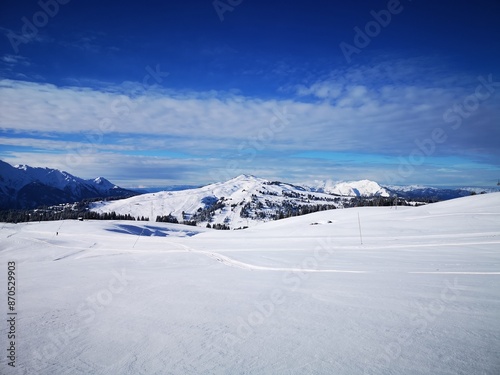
(236, 263)
(228, 261)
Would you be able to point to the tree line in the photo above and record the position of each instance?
(22, 216)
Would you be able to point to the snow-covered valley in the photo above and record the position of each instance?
(370, 290)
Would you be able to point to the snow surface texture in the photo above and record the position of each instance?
(420, 295)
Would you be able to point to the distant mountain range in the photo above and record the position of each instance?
(239, 202)
(435, 194)
(363, 188)
(367, 188)
(25, 187)
(247, 200)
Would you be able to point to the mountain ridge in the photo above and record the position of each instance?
(241, 201)
(247, 200)
(25, 187)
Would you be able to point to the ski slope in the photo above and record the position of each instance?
(369, 290)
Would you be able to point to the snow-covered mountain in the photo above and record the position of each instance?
(428, 193)
(367, 188)
(246, 200)
(22, 186)
(362, 188)
(240, 202)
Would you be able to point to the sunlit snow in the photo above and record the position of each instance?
(372, 290)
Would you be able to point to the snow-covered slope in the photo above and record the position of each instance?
(22, 186)
(362, 188)
(246, 200)
(295, 296)
(242, 201)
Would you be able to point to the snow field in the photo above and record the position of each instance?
(300, 295)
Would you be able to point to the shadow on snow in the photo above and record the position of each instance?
(149, 231)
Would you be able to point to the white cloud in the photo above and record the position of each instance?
(360, 118)
(378, 110)
(321, 90)
(15, 60)
(61, 145)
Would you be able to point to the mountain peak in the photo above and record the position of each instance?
(365, 188)
(246, 177)
(242, 201)
(101, 181)
(22, 186)
(22, 167)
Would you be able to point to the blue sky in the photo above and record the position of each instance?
(190, 92)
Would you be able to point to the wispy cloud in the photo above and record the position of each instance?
(88, 42)
(375, 110)
(14, 60)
